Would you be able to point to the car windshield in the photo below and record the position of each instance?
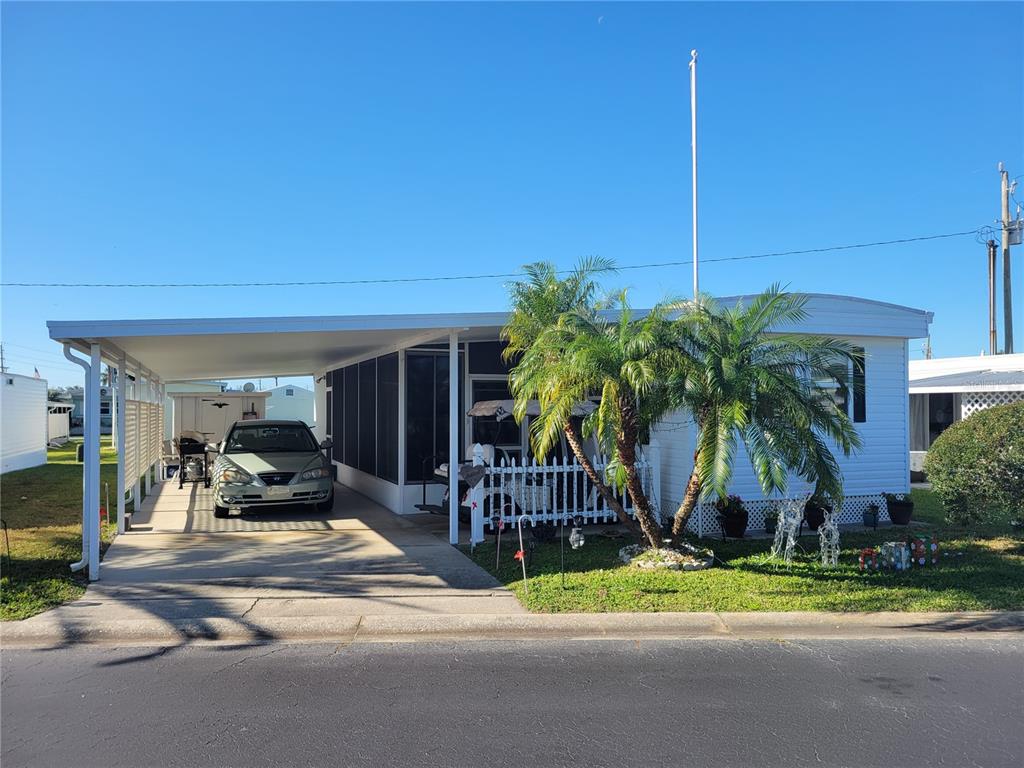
(276, 438)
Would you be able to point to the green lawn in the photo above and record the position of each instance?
(989, 575)
(42, 508)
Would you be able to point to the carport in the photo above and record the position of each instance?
(367, 369)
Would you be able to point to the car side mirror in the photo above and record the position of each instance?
(327, 444)
(213, 447)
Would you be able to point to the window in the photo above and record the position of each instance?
(105, 408)
(859, 385)
(285, 438)
(289, 392)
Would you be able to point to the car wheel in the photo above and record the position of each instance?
(219, 511)
(326, 505)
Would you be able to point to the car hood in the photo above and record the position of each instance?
(256, 463)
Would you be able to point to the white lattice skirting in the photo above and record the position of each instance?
(705, 519)
(972, 402)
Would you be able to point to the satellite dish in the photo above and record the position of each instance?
(249, 387)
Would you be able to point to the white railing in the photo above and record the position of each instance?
(550, 492)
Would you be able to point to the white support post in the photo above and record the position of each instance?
(476, 501)
(453, 437)
(119, 432)
(92, 459)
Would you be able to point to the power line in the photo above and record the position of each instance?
(490, 276)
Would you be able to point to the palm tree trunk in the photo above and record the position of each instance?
(690, 498)
(626, 446)
(572, 437)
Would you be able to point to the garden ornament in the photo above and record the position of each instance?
(791, 512)
(828, 538)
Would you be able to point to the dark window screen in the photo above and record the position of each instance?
(351, 416)
(860, 404)
(329, 424)
(419, 433)
(368, 417)
(337, 401)
(387, 417)
(487, 429)
(485, 357)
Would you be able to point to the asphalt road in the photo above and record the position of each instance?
(955, 701)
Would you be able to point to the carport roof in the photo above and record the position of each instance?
(232, 348)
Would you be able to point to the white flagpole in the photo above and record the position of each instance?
(693, 151)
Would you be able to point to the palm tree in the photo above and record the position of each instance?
(601, 349)
(773, 392)
(534, 343)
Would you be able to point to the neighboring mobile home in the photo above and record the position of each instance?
(23, 422)
(945, 390)
(291, 402)
(383, 394)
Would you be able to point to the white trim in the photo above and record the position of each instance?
(453, 437)
(958, 388)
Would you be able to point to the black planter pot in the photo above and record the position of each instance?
(900, 512)
(734, 525)
(814, 516)
(870, 517)
(770, 524)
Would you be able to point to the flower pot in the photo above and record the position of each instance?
(734, 525)
(870, 517)
(771, 522)
(900, 511)
(814, 516)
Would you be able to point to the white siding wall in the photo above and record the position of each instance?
(22, 422)
(297, 406)
(881, 465)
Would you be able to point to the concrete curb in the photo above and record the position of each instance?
(46, 632)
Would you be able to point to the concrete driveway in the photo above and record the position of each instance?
(182, 566)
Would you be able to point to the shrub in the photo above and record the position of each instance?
(976, 467)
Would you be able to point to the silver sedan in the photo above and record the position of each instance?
(270, 463)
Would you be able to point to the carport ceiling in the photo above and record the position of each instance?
(233, 348)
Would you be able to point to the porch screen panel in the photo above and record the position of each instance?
(387, 417)
(368, 417)
(419, 414)
(337, 425)
(350, 414)
(427, 414)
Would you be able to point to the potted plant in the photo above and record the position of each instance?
(814, 512)
(732, 516)
(771, 520)
(870, 516)
(900, 509)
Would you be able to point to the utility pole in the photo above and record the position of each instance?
(1007, 288)
(993, 348)
(693, 157)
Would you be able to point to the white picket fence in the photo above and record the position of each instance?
(560, 490)
(550, 492)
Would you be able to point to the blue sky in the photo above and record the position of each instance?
(185, 141)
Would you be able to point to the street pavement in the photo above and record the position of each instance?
(948, 699)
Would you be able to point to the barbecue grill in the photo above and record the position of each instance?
(194, 464)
